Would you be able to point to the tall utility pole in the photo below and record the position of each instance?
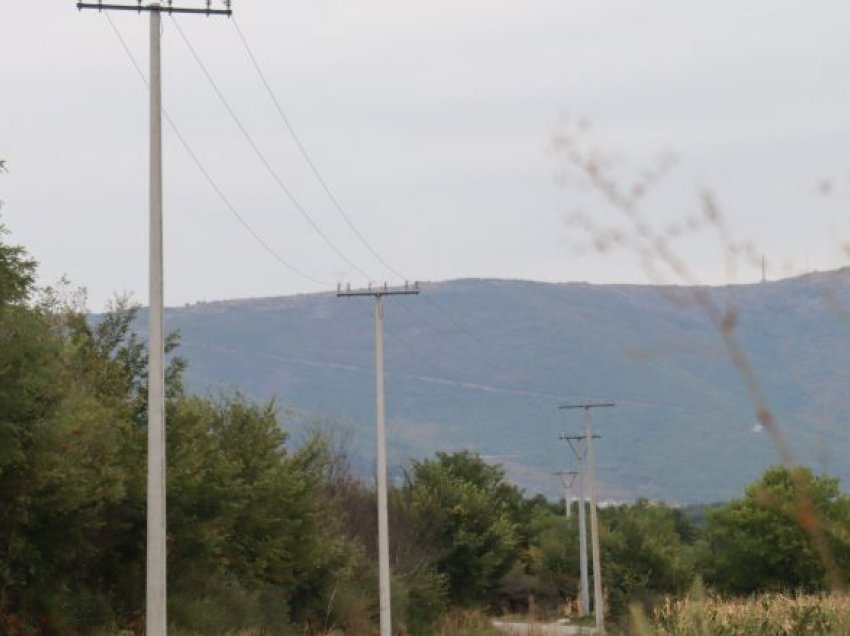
(576, 443)
(594, 526)
(156, 619)
(380, 434)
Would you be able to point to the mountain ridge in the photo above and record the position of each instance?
(484, 364)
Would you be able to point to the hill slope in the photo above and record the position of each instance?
(484, 364)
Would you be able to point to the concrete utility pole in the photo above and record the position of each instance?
(156, 619)
(568, 478)
(576, 443)
(594, 526)
(380, 434)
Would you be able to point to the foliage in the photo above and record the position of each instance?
(251, 544)
(761, 543)
(645, 554)
(17, 273)
(267, 539)
(549, 568)
(466, 510)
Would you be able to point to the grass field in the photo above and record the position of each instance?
(762, 615)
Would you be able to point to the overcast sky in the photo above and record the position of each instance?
(431, 122)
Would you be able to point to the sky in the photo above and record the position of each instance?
(432, 124)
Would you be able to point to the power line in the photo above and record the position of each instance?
(336, 204)
(401, 341)
(278, 180)
(292, 268)
(458, 325)
(420, 316)
(303, 150)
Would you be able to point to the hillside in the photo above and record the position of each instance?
(484, 364)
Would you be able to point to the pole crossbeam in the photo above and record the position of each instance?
(155, 7)
(575, 444)
(377, 292)
(568, 477)
(587, 405)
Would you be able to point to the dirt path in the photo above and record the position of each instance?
(540, 629)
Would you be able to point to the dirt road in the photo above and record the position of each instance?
(540, 629)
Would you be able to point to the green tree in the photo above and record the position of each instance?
(759, 542)
(466, 511)
(646, 553)
(62, 463)
(252, 541)
(549, 566)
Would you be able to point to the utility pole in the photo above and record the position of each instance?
(156, 619)
(380, 434)
(594, 526)
(568, 478)
(576, 443)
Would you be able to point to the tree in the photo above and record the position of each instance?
(17, 273)
(247, 542)
(759, 543)
(467, 512)
(64, 465)
(645, 553)
(251, 538)
(549, 566)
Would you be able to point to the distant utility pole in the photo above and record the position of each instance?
(568, 478)
(576, 443)
(3, 168)
(594, 526)
(380, 434)
(156, 620)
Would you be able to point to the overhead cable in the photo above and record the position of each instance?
(278, 180)
(227, 203)
(306, 155)
(302, 149)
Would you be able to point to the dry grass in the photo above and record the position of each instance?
(465, 623)
(766, 614)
